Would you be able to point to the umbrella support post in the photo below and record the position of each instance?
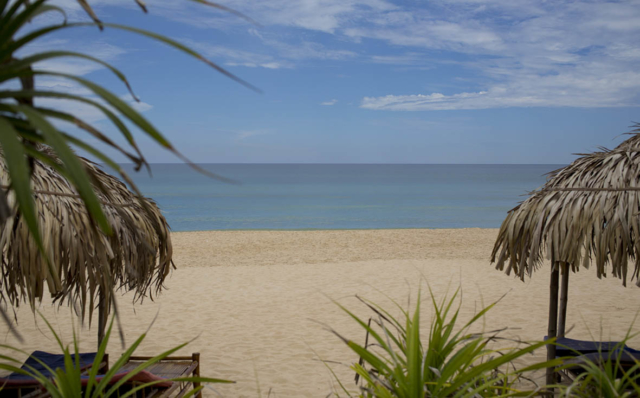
(564, 298)
(553, 322)
(102, 316)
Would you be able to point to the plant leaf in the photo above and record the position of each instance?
(73, 165)
(16, 161)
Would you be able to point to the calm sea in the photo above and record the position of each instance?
(330, 196)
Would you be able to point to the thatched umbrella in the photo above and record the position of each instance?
(90, 264)
(587, 212)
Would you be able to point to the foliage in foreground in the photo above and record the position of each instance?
(24, 124)
(453, 362)
(27, 124)
(67, 382)
(605, 375)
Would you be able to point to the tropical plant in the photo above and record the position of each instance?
(26, 126)
(74, 382)
(453, 362)
(603, 374)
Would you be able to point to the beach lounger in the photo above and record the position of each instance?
(594, 351)
(17, 385)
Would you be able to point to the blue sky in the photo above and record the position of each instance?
(375, 81)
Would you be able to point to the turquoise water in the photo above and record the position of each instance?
(311, 196)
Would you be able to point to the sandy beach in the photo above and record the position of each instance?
(255, 302)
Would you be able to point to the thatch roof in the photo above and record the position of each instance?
(586, 212)
(137, 256)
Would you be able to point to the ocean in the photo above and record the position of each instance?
(338, 196)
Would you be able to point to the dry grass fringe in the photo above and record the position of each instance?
(586, 212)
(137, 256)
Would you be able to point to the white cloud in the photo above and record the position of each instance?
(235, 57)
(283, 55)
(565, 90)
(435, 34)
(138, 105)
(321, 15)
(581, 53)
(244, 135)
(61, 85)
(273, 65)
(329, 103)
(406, 59)
(523, 53)
(266, 65)
(86, 112)
(305, 50)
(73, 65)
(529, 53)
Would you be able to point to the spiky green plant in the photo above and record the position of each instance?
(453, 362)
(68, 382)
(604, 376)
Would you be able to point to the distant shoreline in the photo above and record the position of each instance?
(250, 248)
(357, 164)
(328, 229)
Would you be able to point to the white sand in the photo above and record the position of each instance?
(251, 299)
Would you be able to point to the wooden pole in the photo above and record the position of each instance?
(196, 372)
(103, 308)
(564, 298)
(553, 321)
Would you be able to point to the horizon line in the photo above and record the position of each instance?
(356, 164)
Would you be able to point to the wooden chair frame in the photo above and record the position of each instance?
(192, 369)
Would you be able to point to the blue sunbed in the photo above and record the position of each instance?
(53, 361)
(566, 347)
(584, 352)
(17, 384)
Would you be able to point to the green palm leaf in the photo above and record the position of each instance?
(74, 167)
(24, 125)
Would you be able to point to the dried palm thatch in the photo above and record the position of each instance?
(137, 256)
(587, 212)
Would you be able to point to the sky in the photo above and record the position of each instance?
(368, 81)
